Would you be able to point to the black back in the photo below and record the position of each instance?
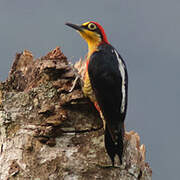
(106, 81)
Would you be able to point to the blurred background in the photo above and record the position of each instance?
(147, 35)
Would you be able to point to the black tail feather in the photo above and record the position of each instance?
(114, 147)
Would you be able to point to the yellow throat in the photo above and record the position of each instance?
(93, 40)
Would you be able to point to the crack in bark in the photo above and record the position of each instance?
(140, 175)
(83, 131)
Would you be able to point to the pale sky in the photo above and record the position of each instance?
(146, 34)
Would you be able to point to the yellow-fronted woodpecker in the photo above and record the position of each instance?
(106, 84)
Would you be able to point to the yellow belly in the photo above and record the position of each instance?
(87, 88)
(88, 91)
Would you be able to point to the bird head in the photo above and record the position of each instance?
(92, 32)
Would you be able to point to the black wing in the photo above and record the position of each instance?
(106, 81)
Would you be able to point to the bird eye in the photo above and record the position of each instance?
(91, 26)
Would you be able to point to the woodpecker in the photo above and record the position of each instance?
(106, 84)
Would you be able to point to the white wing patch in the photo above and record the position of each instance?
(122, 71)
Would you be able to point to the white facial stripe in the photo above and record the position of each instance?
(122, 71)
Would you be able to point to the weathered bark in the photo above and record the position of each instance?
(48, 131)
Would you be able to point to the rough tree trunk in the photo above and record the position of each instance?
(49, 132)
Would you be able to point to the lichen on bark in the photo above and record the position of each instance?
(49, 131)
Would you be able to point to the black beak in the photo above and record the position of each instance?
(74, 26)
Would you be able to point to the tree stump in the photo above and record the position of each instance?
(49, 131)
